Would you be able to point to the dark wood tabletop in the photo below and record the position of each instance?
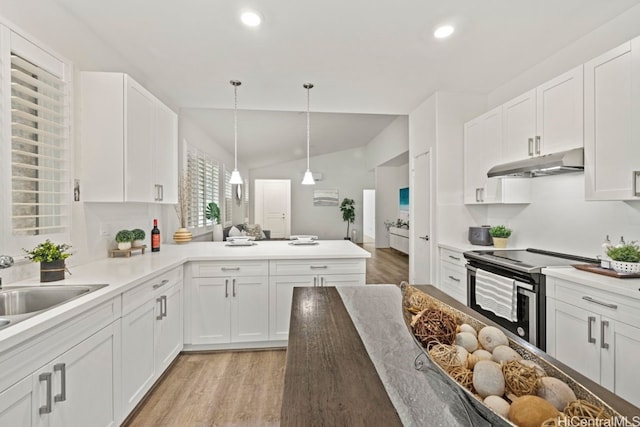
(329, 378)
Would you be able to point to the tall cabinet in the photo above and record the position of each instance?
(612, 124)
(129, 142)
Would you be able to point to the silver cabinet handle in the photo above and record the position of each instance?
(226, 288)
(455, 279)
(322, 281)
(230, 268)
(454, 257)
(605, 304)
(233, 287)
(62, 367)
(164, 304)
(477, 197)
(315, 282)
(603, 324)
(531, 146)
(161, 192)
(636, 177)
(161, 284)
(316, 267)
(481, 194)
(537, 144)
(46, 408)
(590, 320)
(159, 316)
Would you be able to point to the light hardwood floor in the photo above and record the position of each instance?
(240, 388)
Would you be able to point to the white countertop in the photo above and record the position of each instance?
(462, 247)
(124, 273)
(626, 287)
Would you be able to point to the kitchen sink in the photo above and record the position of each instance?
(20, 303)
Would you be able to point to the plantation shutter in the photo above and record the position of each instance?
(228, 199)
(203, 175)
(39, 151)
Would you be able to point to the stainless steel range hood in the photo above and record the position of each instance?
(549, 164)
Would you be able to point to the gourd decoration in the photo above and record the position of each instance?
(433, 327)
(531, 411)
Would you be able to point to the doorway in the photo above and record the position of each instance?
(369, 216)
(272, 206)
(420, 208)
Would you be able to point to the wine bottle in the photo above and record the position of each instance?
(155, 237)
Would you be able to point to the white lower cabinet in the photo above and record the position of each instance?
(453, 274)
(591, 335)
(229, 302)
(151, 334)
(78, 388)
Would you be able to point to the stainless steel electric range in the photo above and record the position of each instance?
(524, 267)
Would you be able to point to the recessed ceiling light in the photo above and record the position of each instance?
(250, 19)
(443, 32)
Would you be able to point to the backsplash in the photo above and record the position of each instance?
(559, 219)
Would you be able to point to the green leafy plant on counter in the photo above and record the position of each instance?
(348, 209)
(138, 234)
(212, 211)
(124, 236)
(500, 231)
(48, 252)
(627, 253)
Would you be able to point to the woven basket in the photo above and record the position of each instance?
(625, 267)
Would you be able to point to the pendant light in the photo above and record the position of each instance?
(308, 176)
(235, 175)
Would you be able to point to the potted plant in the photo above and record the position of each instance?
(51, 258)
(500, 235)
(138, 237)
(212, 212)
(348, 209)
(124, 239)
(625, 258)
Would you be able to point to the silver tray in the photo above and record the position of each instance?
(474, 402)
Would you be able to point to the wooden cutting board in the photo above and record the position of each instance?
(594, 268)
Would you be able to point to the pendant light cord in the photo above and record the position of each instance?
(235, 126)
(308, 125)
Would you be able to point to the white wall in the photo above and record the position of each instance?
(613, 33)
(344, 170)
(388, 144)
(369, 214)
(389, 180)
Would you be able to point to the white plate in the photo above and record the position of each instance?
(241, 243)
(303, 242)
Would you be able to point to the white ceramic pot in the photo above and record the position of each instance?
(123, 246)
(500, 242)
(138, 243)
(218, 233)
(625, 267)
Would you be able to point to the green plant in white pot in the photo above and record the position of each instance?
(500, 235)
(138, 237)
(124, 239)
(625, 258)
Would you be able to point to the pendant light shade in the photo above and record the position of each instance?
(235, 175)
(308, 176)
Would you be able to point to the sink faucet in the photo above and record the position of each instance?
(5, 262)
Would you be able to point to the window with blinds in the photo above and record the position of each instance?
(228, 199)
(39, 151)
(204, 179)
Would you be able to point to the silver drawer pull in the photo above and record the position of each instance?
(531, 146)
(230, 268)
(315, 267)
(159, 316)
(161, 284)
(605, 304)
(62, 367)
(454, 279)
(603, 324)
(46, 408)
(590, 321)
(454, 257)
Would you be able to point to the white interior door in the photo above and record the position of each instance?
(273, 206)
(369, 216)
(420, 208)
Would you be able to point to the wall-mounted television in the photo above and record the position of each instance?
(404, 199)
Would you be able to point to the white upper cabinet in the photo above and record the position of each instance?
(482, 150)
(612, 124)
(545, 120)
(129, 142)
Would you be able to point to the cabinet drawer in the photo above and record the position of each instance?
(454, 281)
(613, 306)
(230, 268)
(453, 257)
(141, 293)
(319, 266)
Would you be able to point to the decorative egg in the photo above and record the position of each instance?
(498, 405)
(532, 364)
(465, 327)
(531, 411)
(467, 340)
(556, 392)
(504, 353)
(488, 379)
(490, 337)
(461, 356)
(477, 356)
